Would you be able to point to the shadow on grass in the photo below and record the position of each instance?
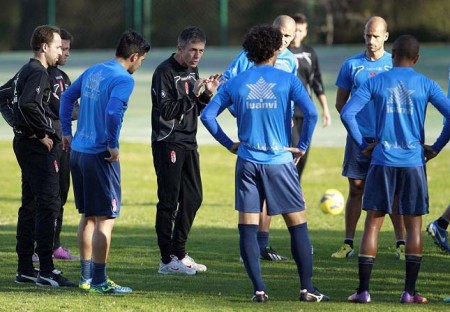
(134, 260)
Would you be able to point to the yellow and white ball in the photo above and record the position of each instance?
(332, 202)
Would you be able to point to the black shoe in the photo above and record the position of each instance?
(54, 279)
(315, 296)
(270, 254)
(27, 277)
(260, 296)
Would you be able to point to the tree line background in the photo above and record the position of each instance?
(97, 24)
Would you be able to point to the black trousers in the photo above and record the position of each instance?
(40, 203)
(179, 197)
(64, 185)
(296, 133)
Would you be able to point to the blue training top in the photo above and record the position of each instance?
(353, 74)
(262, 98)
(285, 61)
(104, 90)
(399, 99)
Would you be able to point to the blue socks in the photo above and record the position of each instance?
(365, 265)
(412, 268)
(248, 244)
(301, 252)
(263, 240)
(86, 269)
(98, 273)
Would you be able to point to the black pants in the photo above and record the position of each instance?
(40, 203)
(296, 133)
(64, 185)
(179, 197)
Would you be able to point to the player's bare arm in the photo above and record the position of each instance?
(342, 96)
(326, 117)
(66, 140)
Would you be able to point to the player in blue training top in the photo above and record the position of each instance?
(438, 228)
(399, 100)
(285, 61)
(104, 90)
(265, 168)
(354, 72)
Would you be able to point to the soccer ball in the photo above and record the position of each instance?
(332, 202)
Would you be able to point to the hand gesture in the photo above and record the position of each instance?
(212, 83)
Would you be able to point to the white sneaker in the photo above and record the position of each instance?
(190, 263)
(175, 266)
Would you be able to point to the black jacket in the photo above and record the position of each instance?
(23, 100)
(175, 108)
(308, 71)
(59, 82)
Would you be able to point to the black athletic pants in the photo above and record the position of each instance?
(179, 197)
(296, 133)
(64, 185)
(40, 203)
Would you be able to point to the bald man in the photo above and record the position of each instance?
(285, 61)
(354, 72)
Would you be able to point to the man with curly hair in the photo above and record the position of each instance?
(265, 168)
(285, 61)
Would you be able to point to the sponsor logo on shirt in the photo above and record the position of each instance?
(261, 95)
(399, 100)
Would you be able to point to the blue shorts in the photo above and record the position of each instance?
(277, 184)
(409, 184)
(355, 164)
(96, 184)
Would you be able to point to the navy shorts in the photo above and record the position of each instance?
(96, 184)
(410, 184)
(277, 184)
(355, 164)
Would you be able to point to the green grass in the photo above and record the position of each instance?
(134, 256)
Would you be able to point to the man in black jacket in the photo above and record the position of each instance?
(309, 73)
(178, 96)
(28, 93)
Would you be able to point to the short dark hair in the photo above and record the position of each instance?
(42, 34)
(261, 42)
(406, 47)
(65, 35)
(300, 18)
(191, 34)
(131, 42)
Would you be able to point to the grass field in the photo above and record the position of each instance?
(214, 241)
